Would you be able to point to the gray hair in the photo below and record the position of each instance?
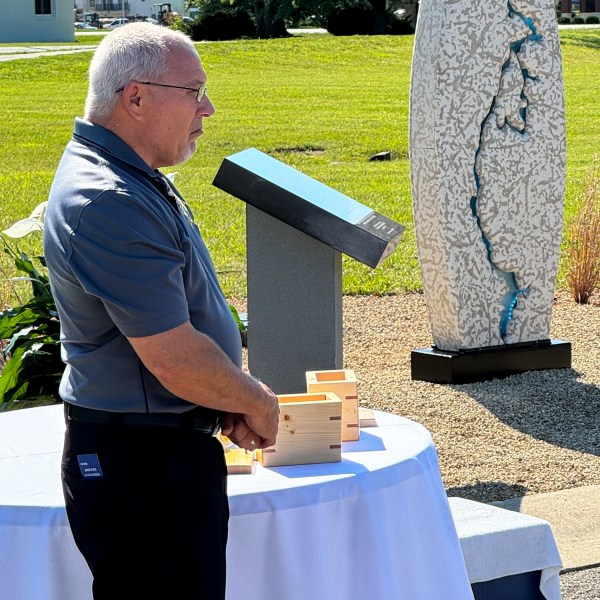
(134, 52)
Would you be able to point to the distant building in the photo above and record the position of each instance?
(37, 21)
(586, 7)
(131, 8)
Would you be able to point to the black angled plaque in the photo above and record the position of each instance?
(309, 206)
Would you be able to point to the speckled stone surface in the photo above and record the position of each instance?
(487, 148)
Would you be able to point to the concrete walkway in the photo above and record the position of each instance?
(574, 516)
(17, 52)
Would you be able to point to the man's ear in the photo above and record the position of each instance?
(132, 100)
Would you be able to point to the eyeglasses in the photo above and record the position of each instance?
(200, 92)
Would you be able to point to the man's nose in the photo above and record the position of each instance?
(205, 107)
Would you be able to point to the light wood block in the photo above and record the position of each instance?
(240, 461)
(343, 383)
(237, 459)
(366, 417)
(309, 430)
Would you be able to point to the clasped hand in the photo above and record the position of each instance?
(255, 430)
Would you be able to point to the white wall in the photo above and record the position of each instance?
(19, 23)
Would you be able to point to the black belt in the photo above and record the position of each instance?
(199, 419)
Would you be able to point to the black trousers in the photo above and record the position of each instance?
(154, 523)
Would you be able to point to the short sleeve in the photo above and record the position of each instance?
(129, 255)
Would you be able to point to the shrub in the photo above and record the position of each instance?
(222, 22)
(564, 20)
(180, 25)
(583, 250)
(578, 20)
(398, 26)
(351, 17)
(592, 20)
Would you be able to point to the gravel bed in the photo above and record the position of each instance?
(530, 433)
(580, 585)
(526, 434)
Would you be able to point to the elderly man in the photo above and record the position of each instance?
(153, 356)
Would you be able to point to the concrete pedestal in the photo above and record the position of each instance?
(294, 303)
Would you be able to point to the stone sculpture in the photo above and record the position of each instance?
(487, 150)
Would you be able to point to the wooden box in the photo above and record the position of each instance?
(309, 430)
(343, 383)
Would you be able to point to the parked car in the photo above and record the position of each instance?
(117, 23)
(87, 26)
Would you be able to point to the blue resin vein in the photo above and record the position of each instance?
(510, 299)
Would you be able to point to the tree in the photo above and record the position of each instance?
(272, 17)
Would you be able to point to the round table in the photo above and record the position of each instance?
(374, 526)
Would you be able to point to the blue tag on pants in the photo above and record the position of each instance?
(89, 465)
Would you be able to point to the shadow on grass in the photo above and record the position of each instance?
(488, 491)
(587, 41)
(552, 405)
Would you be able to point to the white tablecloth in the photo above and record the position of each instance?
(499, 543)
(375, 526)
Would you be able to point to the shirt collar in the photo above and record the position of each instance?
(108, 142)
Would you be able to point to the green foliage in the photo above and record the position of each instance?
(564, 20)
(241, 325)
(32, 363)
(351, 17)
(592, 20)
(222, 20)
(180, 25)
(399, 26)
(360, 17)
(238, 320)
(234, 19)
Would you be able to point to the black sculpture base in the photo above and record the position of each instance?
(481, 364)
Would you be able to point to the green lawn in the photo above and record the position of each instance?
(319, 103)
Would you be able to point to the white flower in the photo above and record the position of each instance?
(34, 222)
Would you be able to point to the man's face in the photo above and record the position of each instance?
(174, 117)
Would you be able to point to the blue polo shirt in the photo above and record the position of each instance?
(125, 259)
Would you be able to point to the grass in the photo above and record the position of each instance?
(321, 104)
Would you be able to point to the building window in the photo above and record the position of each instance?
(43, 7)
